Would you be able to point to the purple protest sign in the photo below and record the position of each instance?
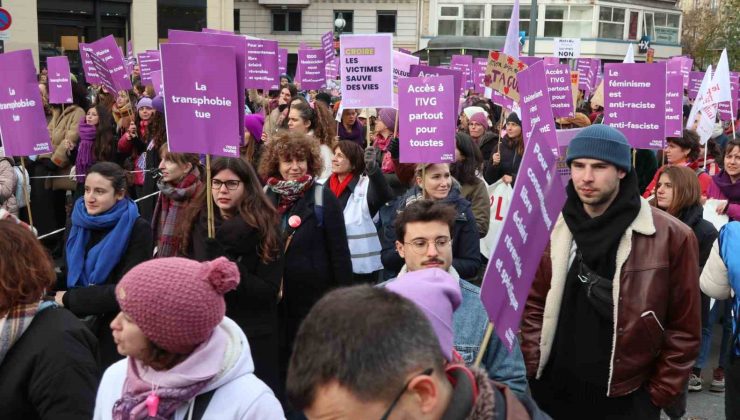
(283, 60)
(217, 38)
(157, 82)
(311, 69)
(111, 57)
(479, 70)
(695, 78)
(201, 105)
(535, 105)
(366, 67)
(425, 71)
(464, 63)
(685, 64)
(587, 74)
(725, 111)
(60, 86)
(22, 121)
(427, 117)
(327, 44)
(535, 204)
(634, 102)
(106, 79)
(559, 90)
(262, 65)
(91, 73)
(332, 70)
(529, 60)
(148, 62)
(401, 68)
(673, 100)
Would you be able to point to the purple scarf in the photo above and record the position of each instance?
(730, 190)
(354, 135)
(85, 150)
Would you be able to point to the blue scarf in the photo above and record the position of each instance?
(94, 268)
(729, 239)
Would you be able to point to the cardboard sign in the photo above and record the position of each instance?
(501, 74)
(427, 118)
(201, 105)
(60, 84)
(366, 66)
(22, 120)
(634, 102)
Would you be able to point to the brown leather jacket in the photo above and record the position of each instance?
(657, 328)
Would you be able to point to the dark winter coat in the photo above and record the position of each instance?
(487, 144)
(253, 305)
(317, 258)
(509, 165)
(51, 372)
(101, 299)
(465, 237)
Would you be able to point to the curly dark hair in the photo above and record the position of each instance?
(689, 140)
(285, 146)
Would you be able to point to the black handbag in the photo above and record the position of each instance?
(598, 288)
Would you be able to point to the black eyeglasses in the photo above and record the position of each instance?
(427, 372)
(231, 184)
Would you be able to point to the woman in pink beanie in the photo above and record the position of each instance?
(185, 358)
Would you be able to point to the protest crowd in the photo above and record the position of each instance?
(292, 251)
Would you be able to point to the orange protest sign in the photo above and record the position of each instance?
(574, 76)
(501, 74)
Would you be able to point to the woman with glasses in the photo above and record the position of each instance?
(247, 233)
(317, 256)
(434, 182)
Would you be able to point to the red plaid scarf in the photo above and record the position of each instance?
(289, 191)
(171, 200)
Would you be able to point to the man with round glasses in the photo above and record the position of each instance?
(424, 240)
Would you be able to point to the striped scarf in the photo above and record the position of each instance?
(14, 324)
(171, 200)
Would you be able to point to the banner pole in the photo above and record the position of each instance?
(367, 131)
(26, 195)
(705, 154)
(732, 120)
(634, 158)
(484, 345)
(209, 197)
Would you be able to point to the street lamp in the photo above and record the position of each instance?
(339, 24)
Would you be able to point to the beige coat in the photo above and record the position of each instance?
(64, 126)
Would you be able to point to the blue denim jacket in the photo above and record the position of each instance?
(469, 326)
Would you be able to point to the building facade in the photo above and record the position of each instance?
(606, 28)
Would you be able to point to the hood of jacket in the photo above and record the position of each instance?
(487, 137)
(237, 358)
(691, 216)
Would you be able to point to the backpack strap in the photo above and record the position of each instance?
(201, 404)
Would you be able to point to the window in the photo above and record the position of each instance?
(663, 27)
(237, 22)
(349, 19)
(501, 15)
(568, 21)
(611, 23)
(286, 21)
(460, 20)
(386, 21)
(632, 29)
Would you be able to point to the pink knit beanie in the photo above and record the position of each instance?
(177, 302)
(481, 119)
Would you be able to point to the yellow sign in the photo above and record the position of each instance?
(501, 74)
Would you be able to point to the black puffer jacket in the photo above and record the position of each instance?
(487, 144)
(706, 234)
(466, 240)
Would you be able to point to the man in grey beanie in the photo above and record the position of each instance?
(611, 327)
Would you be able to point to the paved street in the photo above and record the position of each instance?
(707, 405)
